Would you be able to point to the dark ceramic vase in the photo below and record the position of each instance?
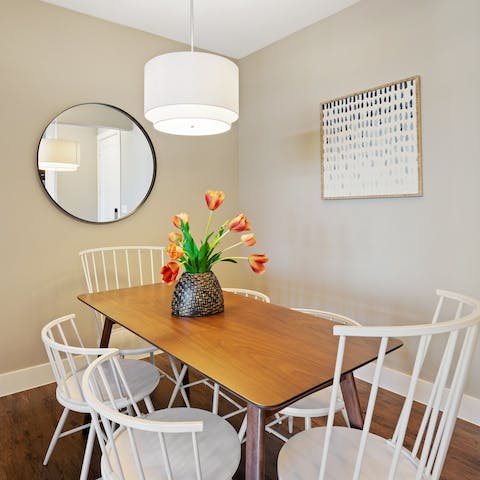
(197, 295)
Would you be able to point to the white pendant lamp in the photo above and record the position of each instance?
(191, 93)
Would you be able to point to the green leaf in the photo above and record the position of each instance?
(228, 260)
(203, 254)
(207, 238)
(190, 248)
(219, 234)
(213, 259)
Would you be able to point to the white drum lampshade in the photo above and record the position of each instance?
(191, 93)
(58, 155)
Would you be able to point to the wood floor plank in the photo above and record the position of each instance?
(27, 421)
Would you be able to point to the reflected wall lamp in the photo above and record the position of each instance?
(58, 155)
(191, 93)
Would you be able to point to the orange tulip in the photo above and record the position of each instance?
(175, 251)
(180, 217)
(214, 199)
(249, 239)
(174, 237)
(239, 223)
(257, 262)
(169, 272)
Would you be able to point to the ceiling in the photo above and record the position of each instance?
(234, 28)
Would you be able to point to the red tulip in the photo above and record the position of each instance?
(239, 223)
(169, 272)
(180, 217)
(249, 239)
(174, 237)
(214, 199)
(257, 262)
(175, 251)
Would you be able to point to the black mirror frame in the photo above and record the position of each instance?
(152, 150)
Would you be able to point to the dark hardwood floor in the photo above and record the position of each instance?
(27, 421)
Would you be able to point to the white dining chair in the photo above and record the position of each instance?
(174, 443)
(245, 292)
(217, 392)
(69, 358)
(109, 268)
(334, 452)
(317, 404)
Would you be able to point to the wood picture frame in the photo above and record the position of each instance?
(370, 143)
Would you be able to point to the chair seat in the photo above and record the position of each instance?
(218, 445)
(142, 377)
(124, 340)
(300, 457)
(314, 405)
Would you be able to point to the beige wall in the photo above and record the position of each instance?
(51, 59)
(379, 260)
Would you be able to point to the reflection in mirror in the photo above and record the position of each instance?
(96, 162)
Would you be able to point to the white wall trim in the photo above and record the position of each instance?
(397, 382)
(26, 378)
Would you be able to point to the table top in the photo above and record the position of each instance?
(267, 354)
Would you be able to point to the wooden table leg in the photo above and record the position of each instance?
(107, 330)
(255, 450)
(351, 400)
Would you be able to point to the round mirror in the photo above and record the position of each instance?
(96, 163)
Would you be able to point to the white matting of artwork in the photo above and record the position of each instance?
(371, 143)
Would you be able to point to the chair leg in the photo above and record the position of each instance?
(152, 358)
(175, 379)
(178, 385)
(290, 425)
(149, 404)
(56, 435)
(345, 417)
(277, 434)
(88, 453)
(308, 423)
(243, 429)
(216, 394)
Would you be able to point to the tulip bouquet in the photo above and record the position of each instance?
(195, 258)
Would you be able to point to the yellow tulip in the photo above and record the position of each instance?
(214, 198)
(248, 239)
(257, 262)
(239, 223)
(176, 219)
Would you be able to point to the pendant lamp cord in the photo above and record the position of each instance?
(191, 25)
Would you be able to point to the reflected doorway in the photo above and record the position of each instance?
(108, 174)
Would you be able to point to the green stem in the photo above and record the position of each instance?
(215, 242)
(208, 223)
(231, 246)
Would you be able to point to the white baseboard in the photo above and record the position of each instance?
(26, 378)
(397, 382)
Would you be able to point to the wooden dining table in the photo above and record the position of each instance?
(268, 355)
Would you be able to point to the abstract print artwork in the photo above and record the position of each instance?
(371, 143)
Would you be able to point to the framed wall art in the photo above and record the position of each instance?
(371, 143)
